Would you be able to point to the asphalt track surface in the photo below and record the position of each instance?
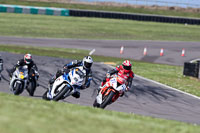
(132, 49)
(144, 98)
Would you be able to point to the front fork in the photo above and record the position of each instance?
(104, 92)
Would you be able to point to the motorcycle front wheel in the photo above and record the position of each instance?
(107, 100)
(17, 89)
(95, 104)
(45, 96)
(61, 93)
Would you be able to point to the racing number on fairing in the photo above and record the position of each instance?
(113, 80)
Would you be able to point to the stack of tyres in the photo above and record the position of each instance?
(191, 69)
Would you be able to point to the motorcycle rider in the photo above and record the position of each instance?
(86, 63)
(27, 60)
(124, 71)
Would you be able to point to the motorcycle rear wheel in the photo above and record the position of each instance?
(32, 88)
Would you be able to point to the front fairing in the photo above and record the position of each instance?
(111, 85)
(20, 75)
(58, 84)
(77, 76)
(72, 79)
(114, 85)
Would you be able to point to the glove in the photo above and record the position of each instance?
(127, 88)
(66, 70)
(107, 75)
(37, 74)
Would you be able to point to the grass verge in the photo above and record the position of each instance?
(22, 115)
(25, 25)
(166, 74)
(104, 7)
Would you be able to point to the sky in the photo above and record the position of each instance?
(180, 3)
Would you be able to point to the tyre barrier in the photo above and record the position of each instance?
(192, 69)
(132, 16)
(97, 14)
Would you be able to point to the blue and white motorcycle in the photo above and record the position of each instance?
(66, 84)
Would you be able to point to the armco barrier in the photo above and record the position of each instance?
(130, 16)
(98, 14)
(34, 10)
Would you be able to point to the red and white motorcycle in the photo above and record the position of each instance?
(110, 92)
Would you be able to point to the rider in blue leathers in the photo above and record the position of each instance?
(86, 63)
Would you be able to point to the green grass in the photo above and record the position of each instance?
(93, 28)
(103, 8)
(27, 115)
(166, 74)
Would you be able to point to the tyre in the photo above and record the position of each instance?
(107, 100)
(17, 89)
(61, 94)
(45, 96)
(95, 104)
(32, 88)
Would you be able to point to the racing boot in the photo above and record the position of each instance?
(76, 94)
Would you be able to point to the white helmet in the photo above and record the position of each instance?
(87, 62)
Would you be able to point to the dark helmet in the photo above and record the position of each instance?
(87, 62)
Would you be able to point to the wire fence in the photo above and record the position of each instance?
(168, 3)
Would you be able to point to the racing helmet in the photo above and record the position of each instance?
(126, 66)
(27, 58)
(87, 62)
